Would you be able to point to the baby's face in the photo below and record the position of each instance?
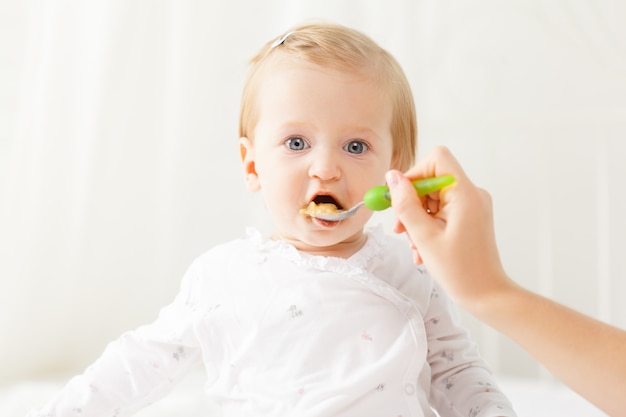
(322, 135)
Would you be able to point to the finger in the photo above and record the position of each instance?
(416, 254)
(431, 205)
(398, 227)
(417, 258)
(439, 162)
(406, 203)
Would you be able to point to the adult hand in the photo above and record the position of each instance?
(451, 231)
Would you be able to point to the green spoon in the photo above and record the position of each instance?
(378, 198)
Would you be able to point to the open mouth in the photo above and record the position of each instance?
(327, 199)
(321, 204)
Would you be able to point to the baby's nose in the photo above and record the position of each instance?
(325, 167)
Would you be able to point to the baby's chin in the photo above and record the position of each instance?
(326, 242)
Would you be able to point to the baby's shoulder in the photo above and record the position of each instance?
(397, 266)
(235, 251)
(219, 269)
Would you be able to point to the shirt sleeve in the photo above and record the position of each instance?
(136, 369)
(461, 382)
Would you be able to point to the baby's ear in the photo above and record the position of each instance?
(246, 152)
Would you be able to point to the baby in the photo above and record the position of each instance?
(322, 318)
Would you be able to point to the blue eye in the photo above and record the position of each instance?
(356, 147)
(296, 144)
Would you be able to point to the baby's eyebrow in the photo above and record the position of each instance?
(295, 126)
(365, 132)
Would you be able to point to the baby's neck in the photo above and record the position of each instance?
(344, 249)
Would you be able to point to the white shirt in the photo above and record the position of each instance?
(283, 333)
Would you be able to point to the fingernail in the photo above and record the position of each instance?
(392, 178)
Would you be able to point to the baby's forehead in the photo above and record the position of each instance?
(285, 62)
(304, 75)
(282, 60)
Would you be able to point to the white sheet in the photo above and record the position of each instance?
(531, 398)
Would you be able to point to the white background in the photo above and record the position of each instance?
(119, 161)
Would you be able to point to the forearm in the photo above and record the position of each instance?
(134, 370)
(130, 374)
(456, 241)
(584, 353)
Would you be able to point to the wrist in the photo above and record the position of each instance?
(495, 300)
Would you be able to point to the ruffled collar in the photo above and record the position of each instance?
(356, 264)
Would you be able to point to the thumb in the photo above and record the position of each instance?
(408, 206)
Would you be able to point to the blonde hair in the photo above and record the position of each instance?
(341, 48)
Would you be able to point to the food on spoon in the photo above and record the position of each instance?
(314, 209)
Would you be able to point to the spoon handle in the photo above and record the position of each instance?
(378, 198)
